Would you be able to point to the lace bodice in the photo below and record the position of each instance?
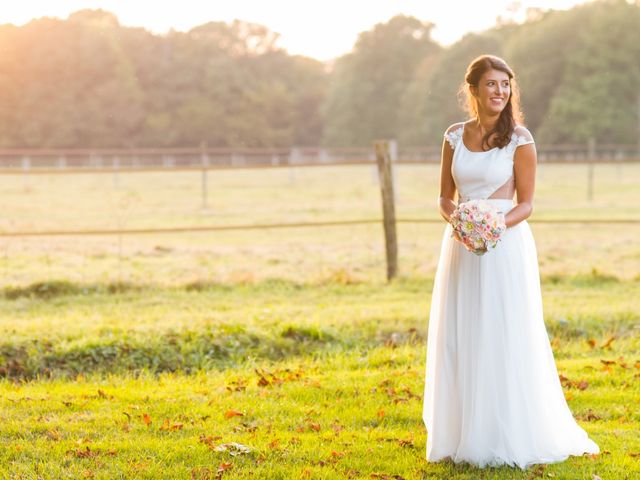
(481, 174)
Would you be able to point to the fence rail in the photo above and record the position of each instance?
(52, 161)
(65, 161)
(266, 226)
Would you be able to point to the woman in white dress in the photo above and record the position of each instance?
(492, 393)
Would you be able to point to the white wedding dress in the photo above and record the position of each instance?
(492, 392)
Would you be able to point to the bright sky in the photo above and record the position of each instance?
(320, 29)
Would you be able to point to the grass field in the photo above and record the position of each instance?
(165, 356)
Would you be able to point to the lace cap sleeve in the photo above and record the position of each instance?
(522, 136)
(453, 134)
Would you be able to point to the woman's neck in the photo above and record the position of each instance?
(485, 123)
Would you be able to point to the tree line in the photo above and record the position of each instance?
(88, 81)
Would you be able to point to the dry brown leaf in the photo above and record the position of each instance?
(233, 413)
(406, 443)
(209, 440)
(589, 416)
(167, 425)
(86, 453)
(582, 385)
(607, 343)
(274, 443)
(146, 418)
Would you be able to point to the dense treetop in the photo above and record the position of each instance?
(87, 81)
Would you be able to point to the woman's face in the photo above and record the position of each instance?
(492, 92)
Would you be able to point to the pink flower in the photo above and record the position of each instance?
(480, 224)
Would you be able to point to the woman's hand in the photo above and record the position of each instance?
(456, 235)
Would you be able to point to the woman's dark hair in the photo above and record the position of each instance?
(510, 116)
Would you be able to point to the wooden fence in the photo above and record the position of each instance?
(54, 161)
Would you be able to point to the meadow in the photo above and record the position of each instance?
(282, 353)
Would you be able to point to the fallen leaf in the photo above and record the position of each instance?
(146, 418)
(589, 416)
(406, 443)
(167, 425)
(86, 453)
(233, 413)
(232, 448)
(274, 443)
(209, 440)
(607, 343)
(262, 381)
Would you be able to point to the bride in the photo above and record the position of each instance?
(492, 391)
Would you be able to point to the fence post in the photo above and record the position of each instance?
(204, 160)
(116, 168)
(294, 157)
(393, 158)
(26, 166)
(385, 174)
(638, 152)
(591, 157)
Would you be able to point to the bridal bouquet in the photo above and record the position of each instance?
(479, 224)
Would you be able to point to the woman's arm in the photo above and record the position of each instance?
(446, 205)
(524, 160)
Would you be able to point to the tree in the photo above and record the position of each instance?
(368, 84)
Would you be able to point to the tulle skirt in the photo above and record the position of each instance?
(492, 392)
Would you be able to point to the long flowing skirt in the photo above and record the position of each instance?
(492, 392)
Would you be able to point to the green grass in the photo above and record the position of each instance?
(343, 368)
(346, 415)
(126, 357)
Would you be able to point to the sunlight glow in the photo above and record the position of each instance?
(322, 30)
